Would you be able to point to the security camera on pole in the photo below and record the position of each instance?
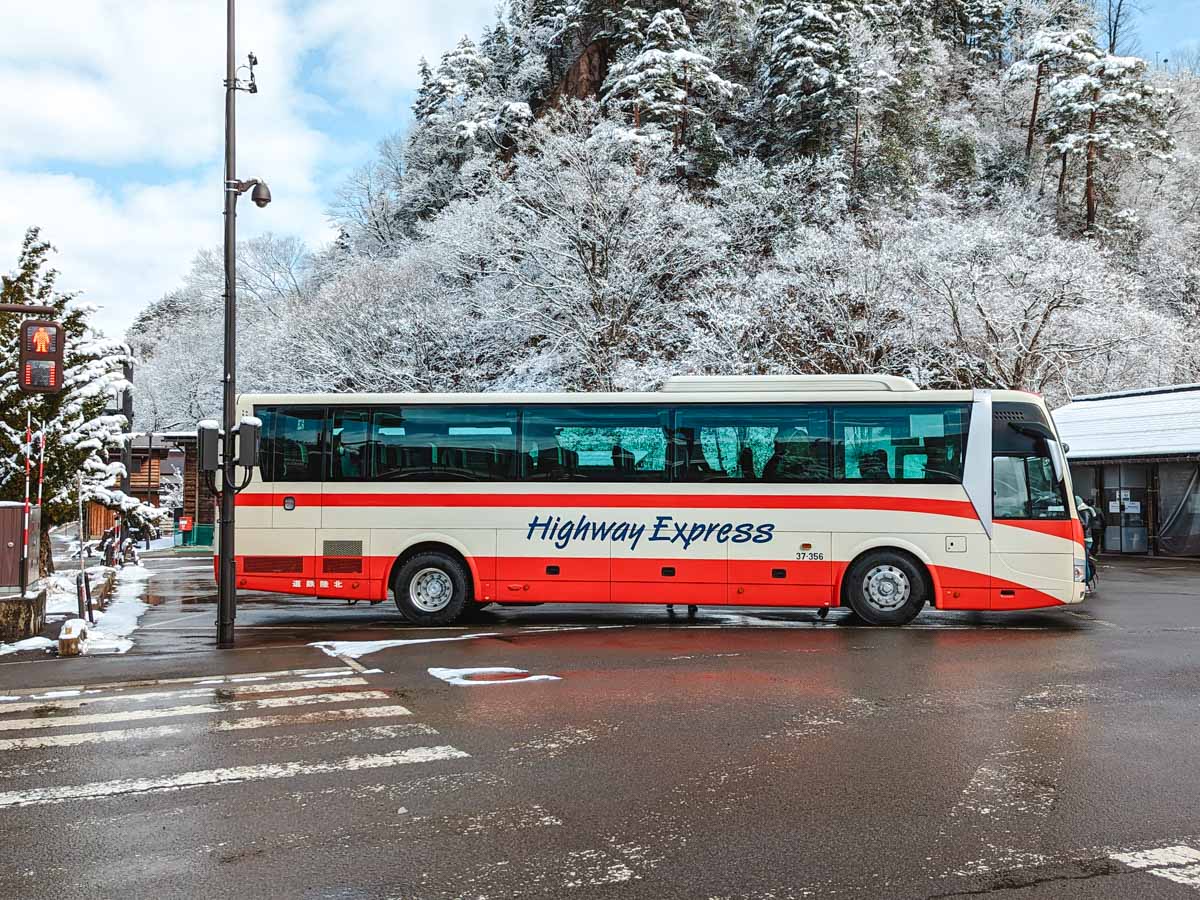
(247, 432)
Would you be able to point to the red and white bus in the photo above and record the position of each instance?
(858, 491)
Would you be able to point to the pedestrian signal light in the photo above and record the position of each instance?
(41, 358)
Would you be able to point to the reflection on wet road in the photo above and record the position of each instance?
(612, 751)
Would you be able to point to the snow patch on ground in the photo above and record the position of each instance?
(111, 632)
(356, 649)
(33, 643)
(61, 598)
(465, 676)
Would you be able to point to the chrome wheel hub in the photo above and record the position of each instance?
(431, 590)
(886, 588)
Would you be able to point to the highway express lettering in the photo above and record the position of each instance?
(665, 529)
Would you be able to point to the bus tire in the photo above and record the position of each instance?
(432, 589)
(884, 587)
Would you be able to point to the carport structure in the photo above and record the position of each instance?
(1135, 456)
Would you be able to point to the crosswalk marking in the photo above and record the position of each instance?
(196, 710)
(1178, 863)
(63, 690)
(232, 775)
(41, 742)
(326, 715)
(256, 688)
(92, 737)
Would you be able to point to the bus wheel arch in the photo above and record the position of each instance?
(439, 583)
(887, 584)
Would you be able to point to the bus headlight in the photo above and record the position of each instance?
(1080, 570)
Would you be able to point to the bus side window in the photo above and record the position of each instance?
(596, 442)
(744, 442)
(444, 443)
(299, 445)
(899, 442)
(266, 446)
(351, 445)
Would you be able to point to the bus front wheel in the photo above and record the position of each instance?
(885, 588)
(432, 589)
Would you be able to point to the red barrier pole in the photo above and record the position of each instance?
(41, 461)
(25, 533)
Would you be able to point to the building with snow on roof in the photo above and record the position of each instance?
(1135, 456)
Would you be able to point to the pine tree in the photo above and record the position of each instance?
(79, 436)
(668, 89)
(497, 46)
(462, 71)
(1099, 107)
(984, 23)
(428, 96)
(807, 74)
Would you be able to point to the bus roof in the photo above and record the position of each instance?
(673, 397)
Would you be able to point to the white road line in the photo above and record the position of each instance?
(233, 775)
(1178, 855)
(195, 679)
(1189, 875)
(325, 715)
(197, 710)
(92, 737)
(224, 688)
(116, 735)
(1178, 863)
(278, 741)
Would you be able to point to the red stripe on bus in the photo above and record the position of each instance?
(1067, 529)
(957, 508)
(554, 579)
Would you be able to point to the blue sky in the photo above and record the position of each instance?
(113, 121)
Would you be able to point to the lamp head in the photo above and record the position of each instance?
(261, 195)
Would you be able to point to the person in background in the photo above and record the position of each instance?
(1099, 524)
(1088, 516)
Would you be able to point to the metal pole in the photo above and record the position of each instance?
(126, 449)
(24, 579)
(227, 584)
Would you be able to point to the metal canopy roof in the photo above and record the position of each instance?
(1153, 422)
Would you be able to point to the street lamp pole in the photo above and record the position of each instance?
(261, 195)
(227, 581)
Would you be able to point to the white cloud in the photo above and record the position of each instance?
(371, 50)
(124, 249)
(113, 124)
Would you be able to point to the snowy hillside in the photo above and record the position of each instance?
(599, 193)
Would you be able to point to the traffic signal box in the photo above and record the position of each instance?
(41, 366)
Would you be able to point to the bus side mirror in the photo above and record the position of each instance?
(249, 434)
(208, 435)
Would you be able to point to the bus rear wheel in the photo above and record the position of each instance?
(885, 588)
(432, 589)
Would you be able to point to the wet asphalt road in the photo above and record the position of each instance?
(1041, 755)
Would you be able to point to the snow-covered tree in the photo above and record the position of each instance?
(1101, 109)
(668, 89)
(867, 184)
(808, 77)
(73, 432)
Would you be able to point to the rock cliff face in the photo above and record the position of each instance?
(584, 79)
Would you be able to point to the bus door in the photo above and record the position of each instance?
(300, 452)
(1033, 541)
